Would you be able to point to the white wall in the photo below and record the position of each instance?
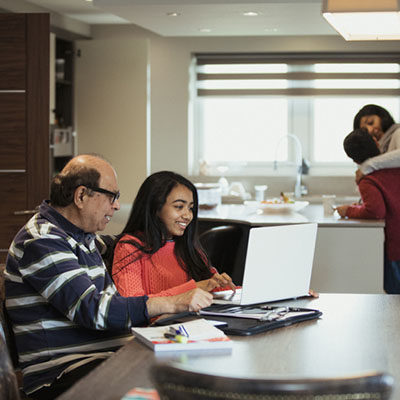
(169, 60)
(111, 106)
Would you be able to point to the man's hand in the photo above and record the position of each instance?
(192, 300)
(217, 280)
(342, 210)
(359, 176)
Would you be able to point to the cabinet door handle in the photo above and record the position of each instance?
(25, 212)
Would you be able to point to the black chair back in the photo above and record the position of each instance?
(225, 246)
(184, 384)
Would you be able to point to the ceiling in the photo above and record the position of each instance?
(200, 17)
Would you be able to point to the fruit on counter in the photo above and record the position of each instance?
(285, 200)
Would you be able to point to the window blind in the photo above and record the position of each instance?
(294, 74)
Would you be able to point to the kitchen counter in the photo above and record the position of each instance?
(349, 253)
(311, 213)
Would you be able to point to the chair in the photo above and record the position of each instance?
(8, 380)
(184, 384)
(105, 245)
(5, 324)
(225, 246)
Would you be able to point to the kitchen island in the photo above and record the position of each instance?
(349, 252)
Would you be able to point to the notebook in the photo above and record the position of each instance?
(278, 264)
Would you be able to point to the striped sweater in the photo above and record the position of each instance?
(63, 305)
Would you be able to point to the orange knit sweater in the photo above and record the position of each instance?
(136, 273)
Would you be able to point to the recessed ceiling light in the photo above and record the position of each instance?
(173, 14)
(205, 30)
(250, 14)
(271, 29)
(89, 1)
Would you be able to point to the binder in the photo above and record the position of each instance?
(247, 320)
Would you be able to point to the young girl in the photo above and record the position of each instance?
(158, 253)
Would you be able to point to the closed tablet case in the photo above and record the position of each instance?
(245, 326)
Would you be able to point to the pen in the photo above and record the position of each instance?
(183, 330)
(176, 338)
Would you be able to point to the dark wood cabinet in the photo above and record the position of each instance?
(24, 120)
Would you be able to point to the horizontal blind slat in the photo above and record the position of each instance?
(295, 58)
(297, 76)
(298, 92)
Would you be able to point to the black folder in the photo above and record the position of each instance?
(247, 320)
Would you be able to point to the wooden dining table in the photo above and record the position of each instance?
(356, 333)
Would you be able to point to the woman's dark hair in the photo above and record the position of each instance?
(145, 224)
(63, 185)
(372, 109)
(359, 145)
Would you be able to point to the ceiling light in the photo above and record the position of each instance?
(250, 14)
(173, 14)
(205, 30)
(364, 19)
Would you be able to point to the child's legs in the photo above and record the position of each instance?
(392, 276)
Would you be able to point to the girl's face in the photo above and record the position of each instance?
(177, 211)
(373, 124)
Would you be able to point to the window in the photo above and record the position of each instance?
(246, 105)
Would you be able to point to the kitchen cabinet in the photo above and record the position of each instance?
(24, 120)
(349, 253)
(348, 260)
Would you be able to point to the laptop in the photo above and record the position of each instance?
(278, 265)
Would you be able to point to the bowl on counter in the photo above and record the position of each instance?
(275, 206)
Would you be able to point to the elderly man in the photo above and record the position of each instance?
(66, 313)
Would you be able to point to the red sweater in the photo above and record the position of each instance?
(136, 273)
(380, 192)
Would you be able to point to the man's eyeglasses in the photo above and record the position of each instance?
(113, 195)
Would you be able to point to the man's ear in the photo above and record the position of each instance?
(79, 196)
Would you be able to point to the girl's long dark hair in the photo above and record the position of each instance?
(145, 224)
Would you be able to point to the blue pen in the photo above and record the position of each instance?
(183, 330)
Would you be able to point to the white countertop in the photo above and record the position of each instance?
(311, 213)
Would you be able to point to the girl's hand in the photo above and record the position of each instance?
(217, 280)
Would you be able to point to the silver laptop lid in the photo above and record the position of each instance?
(278, 262)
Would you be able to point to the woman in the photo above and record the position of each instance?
(380, 124)
(158, 253)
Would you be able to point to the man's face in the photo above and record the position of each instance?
(98, 208)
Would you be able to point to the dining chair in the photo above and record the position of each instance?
(224, 247)
(8, 379)
(179, 383)
(105, 245)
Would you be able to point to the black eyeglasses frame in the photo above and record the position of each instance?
(114, 195)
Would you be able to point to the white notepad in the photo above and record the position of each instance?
(202, 335)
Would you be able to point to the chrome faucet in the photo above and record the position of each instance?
(298, 188)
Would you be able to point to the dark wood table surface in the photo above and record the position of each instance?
(356, 333)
